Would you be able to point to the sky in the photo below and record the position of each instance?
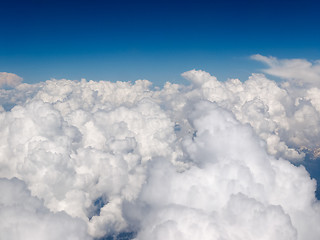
(154, 40)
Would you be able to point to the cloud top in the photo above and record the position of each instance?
(9, 79)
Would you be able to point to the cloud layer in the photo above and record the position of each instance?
(211, 160)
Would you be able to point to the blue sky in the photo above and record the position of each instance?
(155, 40)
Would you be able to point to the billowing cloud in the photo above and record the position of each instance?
(206, 161)
(25, 217)
(9, 79)
(233, 191)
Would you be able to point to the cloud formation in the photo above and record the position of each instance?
(300, 71)
(234, 190)
(25, 217)
(205, 161)
(9, 79)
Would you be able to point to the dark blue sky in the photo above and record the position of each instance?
(157, 40)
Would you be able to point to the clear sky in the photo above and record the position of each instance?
(154, 40)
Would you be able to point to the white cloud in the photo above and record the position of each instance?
(24, 217)
(181, 162)
(9, 79)
(233, 191)
(300, 71)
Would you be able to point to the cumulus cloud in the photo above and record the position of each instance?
(208, 160)
(9, 79)
(233, 191)
(25, 217)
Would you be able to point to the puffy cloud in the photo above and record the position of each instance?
(74, 147)
(243, 218)
(23, 216)
(9, 79)
(302, 82)
(199, 161)
(233, 191)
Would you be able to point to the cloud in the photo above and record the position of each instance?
(300, 71)
(25, 217)
(233, 191)
(269, 108)
(9, 79)
(208, 159)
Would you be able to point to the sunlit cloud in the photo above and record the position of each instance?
(300, 71)
(201, 161)
(9, 79)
